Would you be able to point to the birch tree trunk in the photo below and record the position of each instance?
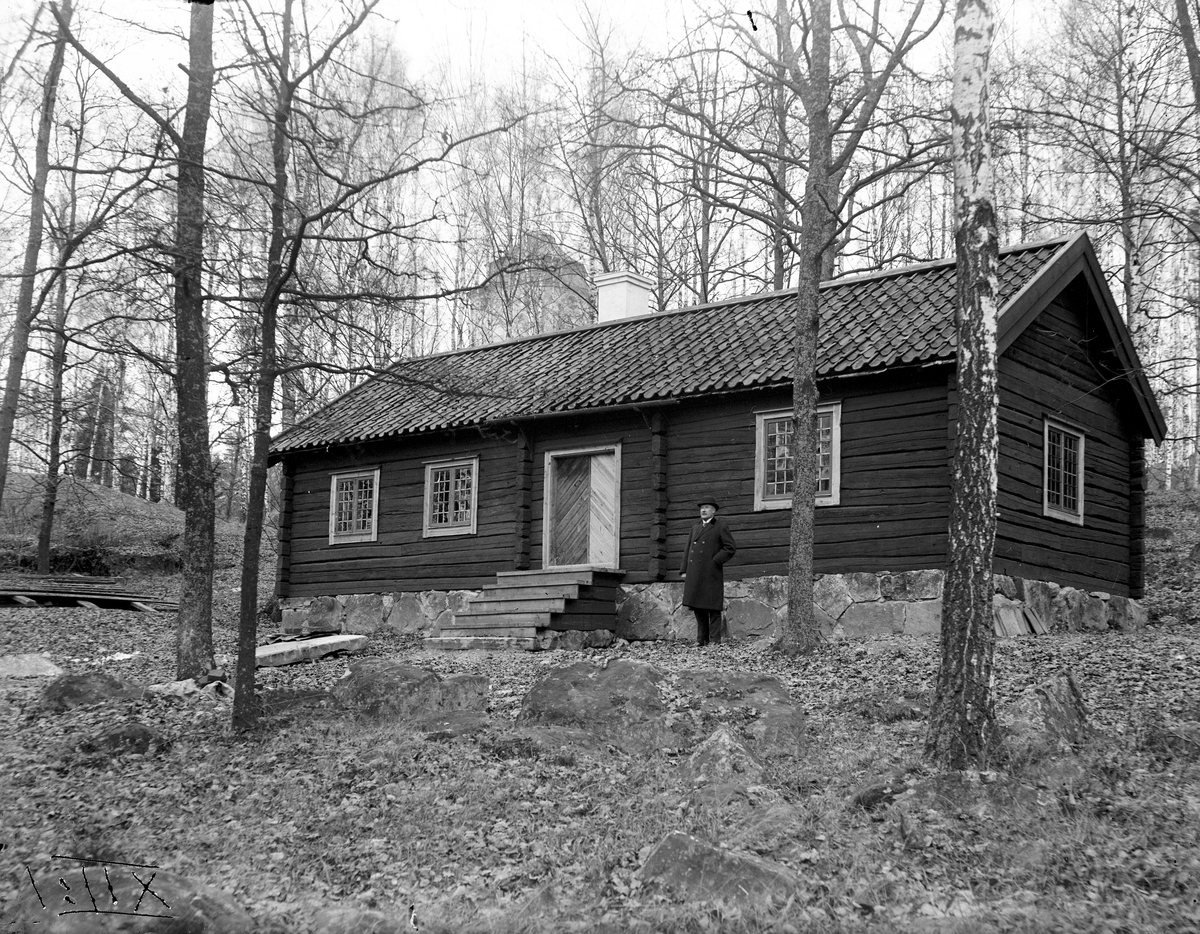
(962, 721)
(23, 319)
(1187, 32)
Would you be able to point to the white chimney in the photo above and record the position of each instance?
(622, 295)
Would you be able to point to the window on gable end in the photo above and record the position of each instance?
(354, 506)
(450, 497)
(774, 457)
(1062, 474)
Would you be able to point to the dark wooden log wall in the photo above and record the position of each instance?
(658, 566)
(524, 485)
(401, 559)
(1058, 368)
(1137, 519)
(894, 504)
(283, 566)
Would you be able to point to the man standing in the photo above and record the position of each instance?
(711, 544)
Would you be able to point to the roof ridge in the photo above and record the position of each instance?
(735, 300)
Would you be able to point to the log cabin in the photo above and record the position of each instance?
(535, 486)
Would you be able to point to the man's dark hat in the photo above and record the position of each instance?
(709, 502)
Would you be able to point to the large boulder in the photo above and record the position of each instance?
(384, 689)
(698, 871)
(760, 704)
(1048, 718)
(618, 701)
(117, 899)
(89, 687)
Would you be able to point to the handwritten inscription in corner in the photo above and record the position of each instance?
(100, 887)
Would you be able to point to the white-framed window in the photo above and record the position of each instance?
(1062, 473)
(450, 496)
(775, 463)
(354, 506)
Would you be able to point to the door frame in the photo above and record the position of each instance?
(548, 500)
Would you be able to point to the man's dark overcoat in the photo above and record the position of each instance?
(708, 548)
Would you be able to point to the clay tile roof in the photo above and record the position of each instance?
(868, 323)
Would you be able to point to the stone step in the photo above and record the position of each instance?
(466, 643)
(287, 653)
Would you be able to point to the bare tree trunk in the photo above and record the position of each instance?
(245, 705)
(85, 433)
(1187, 33)
(962, 720)
(234, 469)
(23, 319)
(58, 362)
(802, 634)
(194, 493)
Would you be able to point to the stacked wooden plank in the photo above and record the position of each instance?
(523, 604)
(78, 590)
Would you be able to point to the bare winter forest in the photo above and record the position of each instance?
(377, 212)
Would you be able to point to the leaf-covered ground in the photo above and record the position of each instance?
(487, 835)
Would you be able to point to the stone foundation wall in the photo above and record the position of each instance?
(864, 605)
(848, 606)
(424, 612)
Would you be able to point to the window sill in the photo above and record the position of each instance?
(448, 533)
(1061, 515)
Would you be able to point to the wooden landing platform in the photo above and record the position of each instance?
(78, 590)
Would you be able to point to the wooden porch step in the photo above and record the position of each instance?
(567, 591)
(552, 576)
(471, 620)
(496, 604)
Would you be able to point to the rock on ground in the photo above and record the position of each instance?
(701, 872)
(723, 758)
(385, 689)
(28, 666)
(89, 687)
(1047, 718)
(150, 901)
(776, 725)
(124, 739)
(618, 701)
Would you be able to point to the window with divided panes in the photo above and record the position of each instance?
(450, 497)
(353, 506)
(776, 463)
(1063, 487)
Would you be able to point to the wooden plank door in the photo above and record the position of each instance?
(583, 508)
(570, 525)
